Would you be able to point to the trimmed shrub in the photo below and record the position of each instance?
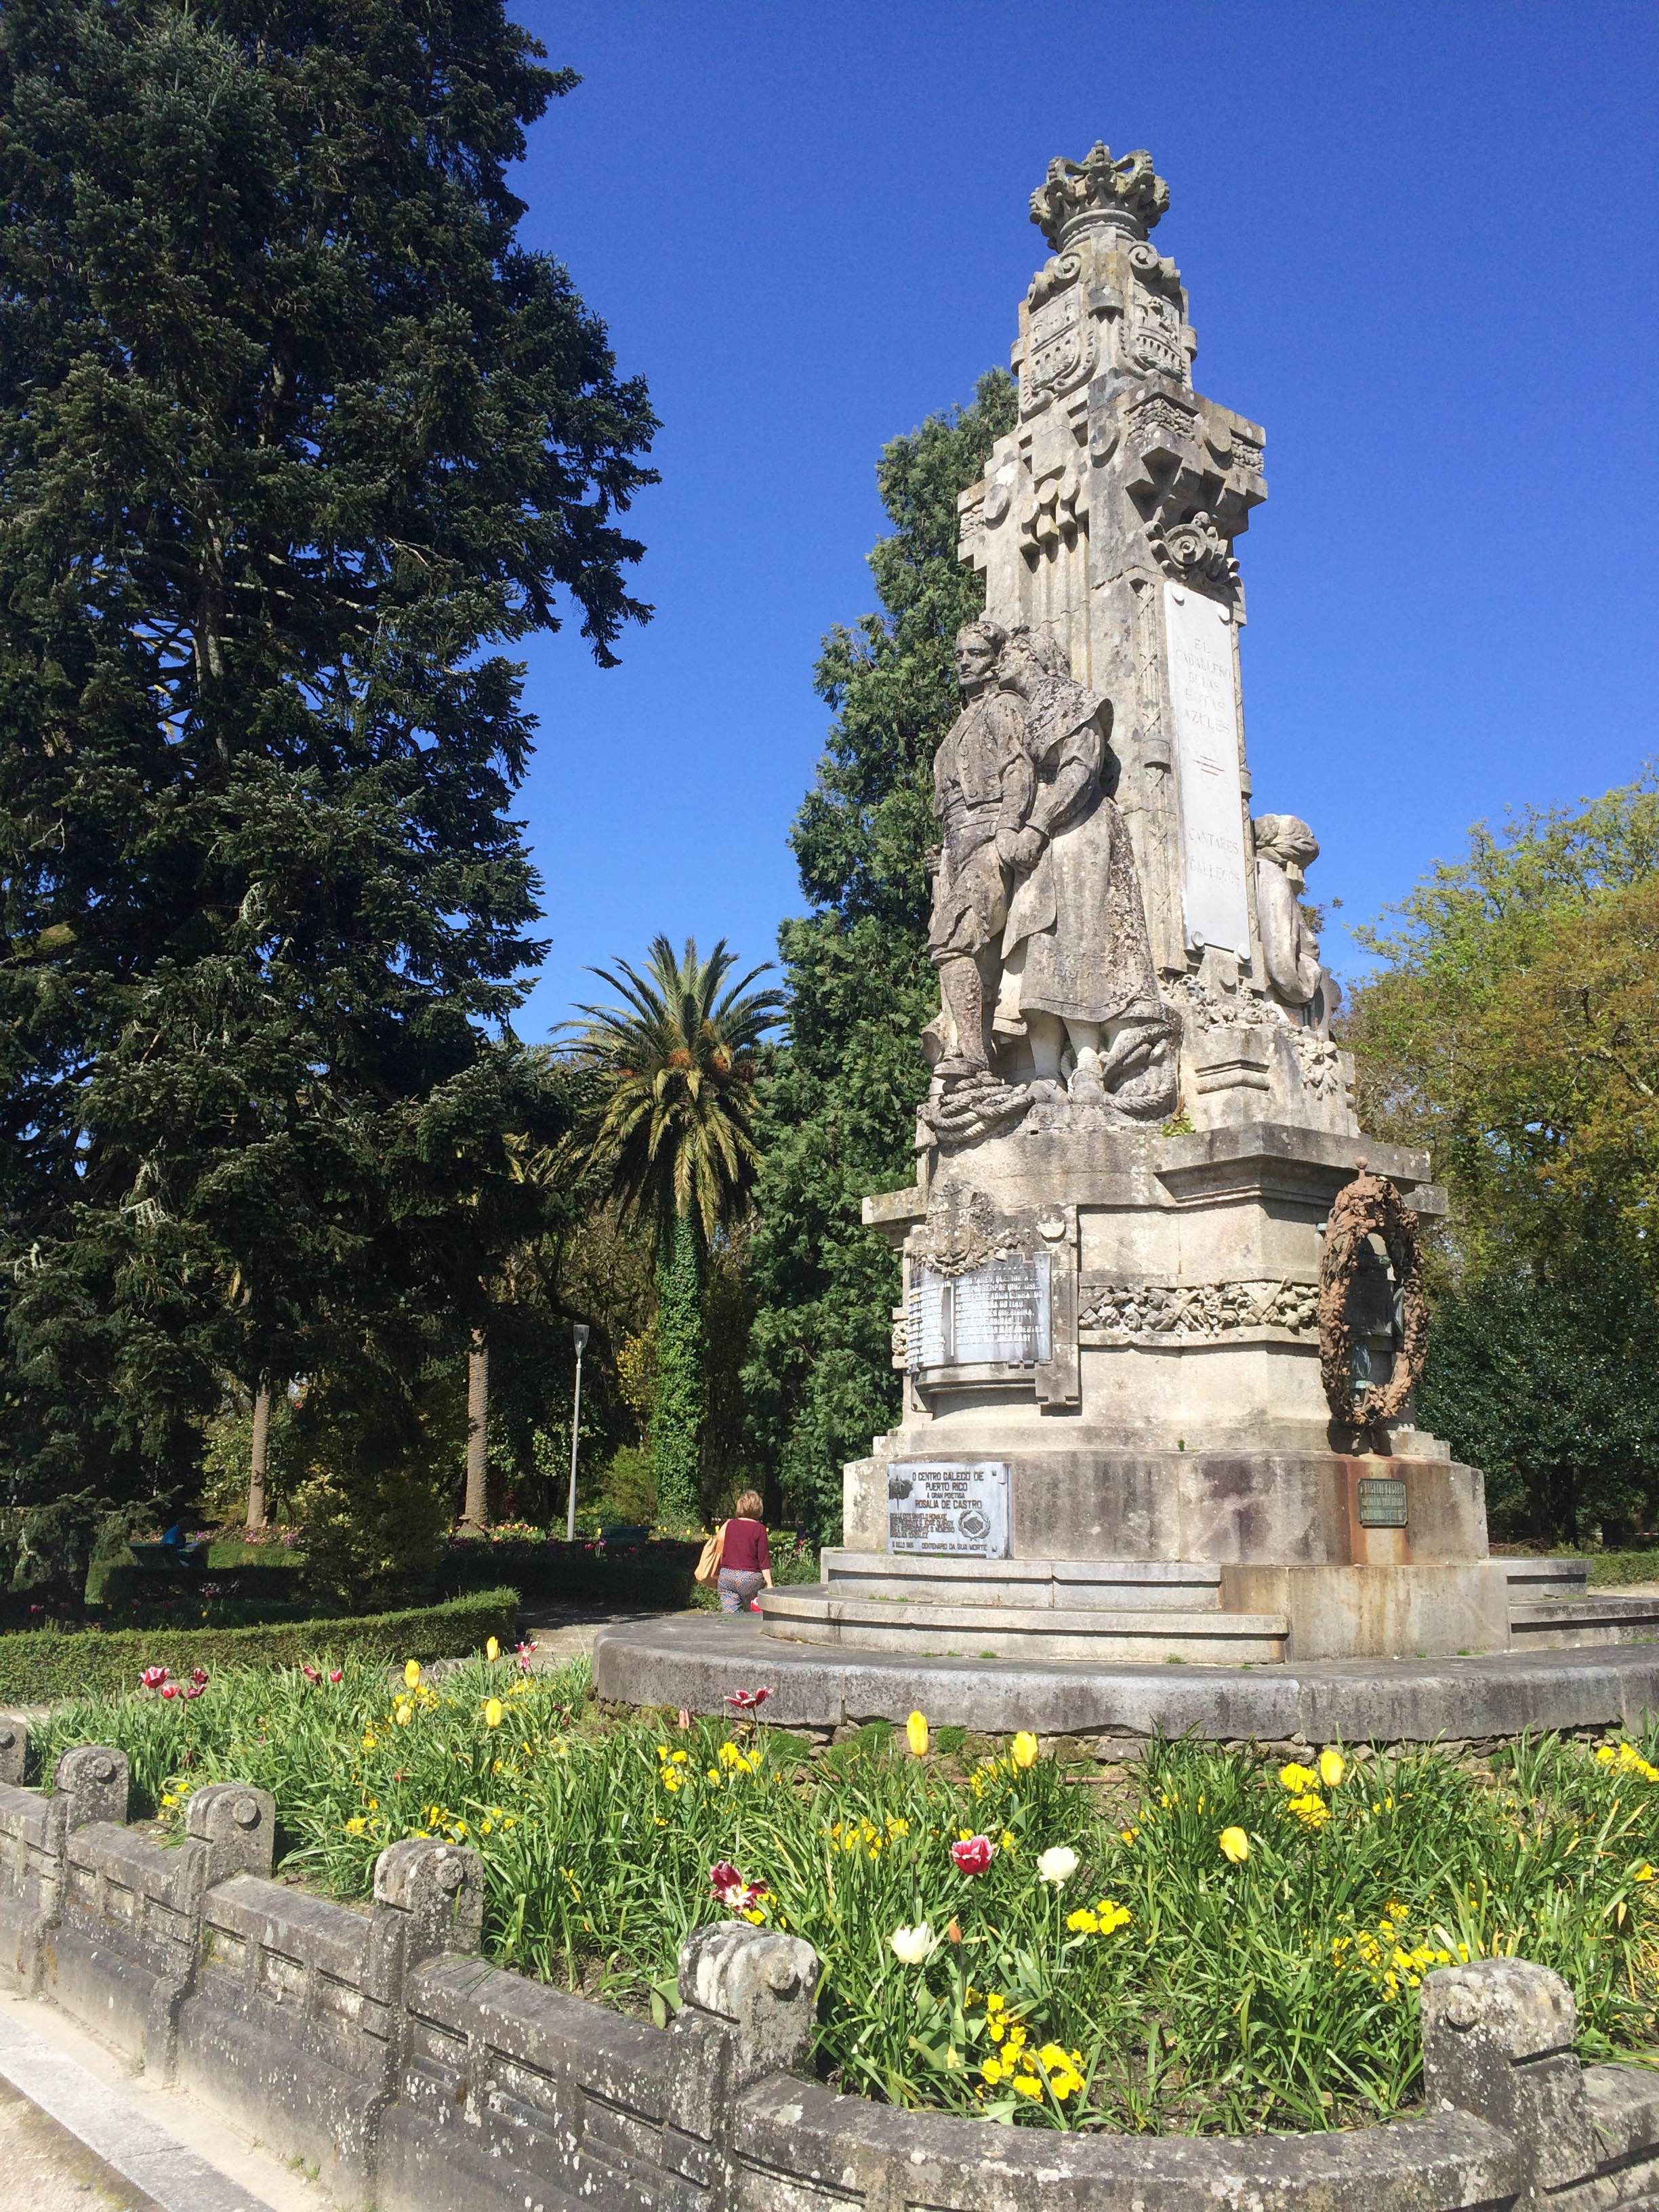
(649, 1574)
(40, 1665)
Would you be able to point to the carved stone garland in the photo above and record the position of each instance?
(1370, 1206)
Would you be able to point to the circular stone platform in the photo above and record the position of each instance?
(697, 1660)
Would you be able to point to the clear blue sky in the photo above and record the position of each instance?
(1420, 242)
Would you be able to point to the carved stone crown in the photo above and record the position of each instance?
(1127, 187)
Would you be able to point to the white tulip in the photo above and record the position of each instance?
(1057, 1864)
(911, 1945)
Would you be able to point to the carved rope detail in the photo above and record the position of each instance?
(1370, 1206)
(1200, 1310)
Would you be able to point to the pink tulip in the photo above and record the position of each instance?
(337, 1674)
(169, 1689)
(152, 1678)
(973, 1854)
(746, 1701)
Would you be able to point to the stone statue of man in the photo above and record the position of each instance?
(1077, 961)
(982, 785)
(1285, 848)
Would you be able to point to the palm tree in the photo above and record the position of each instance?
(677, 1062)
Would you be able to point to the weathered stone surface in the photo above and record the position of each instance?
(763, 1983)
(697, 1662)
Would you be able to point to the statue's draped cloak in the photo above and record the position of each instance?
(1077, 913)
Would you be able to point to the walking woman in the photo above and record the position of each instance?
(745, 1560)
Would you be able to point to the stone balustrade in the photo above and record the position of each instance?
(377, 2045)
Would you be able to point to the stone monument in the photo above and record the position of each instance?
(1160, 1317)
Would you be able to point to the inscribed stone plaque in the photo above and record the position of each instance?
(1204, 697)
(1381, 1501)
(994, 1315)
(958, 1506)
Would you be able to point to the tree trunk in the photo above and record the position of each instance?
(676, 1419)
(475, 1514)
(259, 1457)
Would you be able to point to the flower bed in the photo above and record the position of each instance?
(1210, 1940)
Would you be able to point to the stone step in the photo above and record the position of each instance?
(1154, 1636)
(1618, 1617)
(1140, 1585)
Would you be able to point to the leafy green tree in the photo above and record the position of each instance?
(294, 438)
(1547, 1381)
(677, 1060)
(837, 1114)
(1512, 1026)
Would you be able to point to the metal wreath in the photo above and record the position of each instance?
(1370, 1206)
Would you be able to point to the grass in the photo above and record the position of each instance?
(1161, 1985)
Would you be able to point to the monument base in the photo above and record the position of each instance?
(1197, 1612)
(698, 1662)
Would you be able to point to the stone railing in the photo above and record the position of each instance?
(377, 2045)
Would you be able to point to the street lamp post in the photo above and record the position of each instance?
(579, 1336)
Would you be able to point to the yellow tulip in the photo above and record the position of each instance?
(1332, 1768)
(493, 1711)
(915, 1732)
(412, 1673)
(1025, 1749)
(492, 1650)
(1235, 1846)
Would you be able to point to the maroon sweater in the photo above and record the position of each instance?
(745, 1550)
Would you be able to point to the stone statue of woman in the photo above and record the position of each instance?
(1285, 848)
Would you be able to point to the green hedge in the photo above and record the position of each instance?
(120, 1585)
(1615, 1567)
(40, 1665)
(656, 1574)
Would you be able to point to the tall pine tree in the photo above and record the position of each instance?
(837, 1112)
(294, 438)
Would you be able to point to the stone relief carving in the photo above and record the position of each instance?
(964, 1231)
(1194, 548)
(1037, 928)
(1320, 1062)
(1057, 507)
(1206, 1008)
(1204, 1310)
(1285, 848)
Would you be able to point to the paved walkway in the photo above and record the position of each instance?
(79, 2129)
(563, 1632)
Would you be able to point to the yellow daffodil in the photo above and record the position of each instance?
(915, 1733)
(1024, 1749)
(1310, 1809)
(1296, 1778)
(1235, 1846)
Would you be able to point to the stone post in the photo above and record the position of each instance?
(14, 1746)
(439, 1890)
(761, 1985)
(1498, 2038)
(93, 1778)
(237, 1823)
